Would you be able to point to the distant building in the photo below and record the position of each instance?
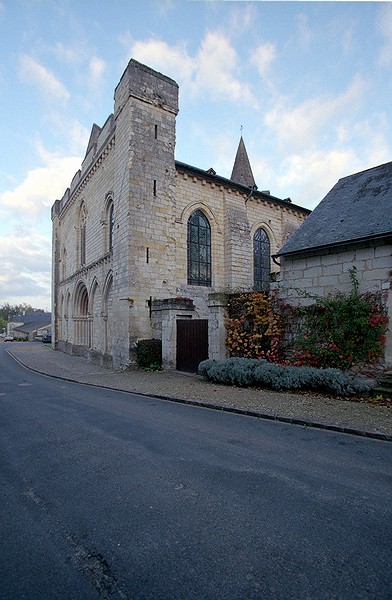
(352, 226)
(143, 244)
(30, 326)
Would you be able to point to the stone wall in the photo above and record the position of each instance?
(234, 217)
(326, 273)
(322, 274)
(101, 308)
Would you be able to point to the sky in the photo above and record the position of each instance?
(308, 84)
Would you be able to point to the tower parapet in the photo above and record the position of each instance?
(145, 84)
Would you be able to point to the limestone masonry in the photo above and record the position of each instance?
(146, 247)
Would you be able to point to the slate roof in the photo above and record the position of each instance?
(242, 171)
(32, 326)
(358, 208)
(210, 175)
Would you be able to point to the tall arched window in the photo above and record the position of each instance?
(64, 264)
(261, 260)
(108, 222)
(199, 249)
(82, 233)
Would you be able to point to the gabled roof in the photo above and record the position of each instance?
(33, 326)
(242, 171)
(358, 208)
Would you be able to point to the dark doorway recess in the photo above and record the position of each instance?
(192, 344)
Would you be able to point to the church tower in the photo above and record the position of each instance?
(145, 109)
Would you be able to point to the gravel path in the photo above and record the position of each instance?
(362, 418)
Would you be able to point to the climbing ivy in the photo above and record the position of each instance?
(342, 330)
(339, 331)
(254, 328)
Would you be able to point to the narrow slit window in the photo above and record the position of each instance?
(111, 226)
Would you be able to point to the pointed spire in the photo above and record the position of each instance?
(242, 171)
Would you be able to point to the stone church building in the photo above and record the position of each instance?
(146, 247)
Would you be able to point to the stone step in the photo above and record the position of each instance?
(381, 390)
(384, 385)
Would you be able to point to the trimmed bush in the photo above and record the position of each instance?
(245, 372)
(149, 354)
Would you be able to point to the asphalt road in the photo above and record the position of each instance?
(111, 495)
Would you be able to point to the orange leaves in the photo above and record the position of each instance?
(253, 328)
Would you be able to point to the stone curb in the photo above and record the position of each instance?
(235, 410)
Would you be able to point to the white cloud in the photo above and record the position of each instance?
(385, 28)
(73, 135)
(46, 82)
(68, 54)
(165, 6)
(348, 40)
(308, 177)
(212, 70)
(300, 127)
(88, 68)
(242, 18)
(304, 33)
(263, 58)
(216, 64)
(97, 68)
(370, 141)
(25, 243)
(26, 269)
(173, 60)
(33, 198)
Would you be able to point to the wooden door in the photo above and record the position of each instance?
(192, 344)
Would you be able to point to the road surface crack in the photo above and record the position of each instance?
(97, 570)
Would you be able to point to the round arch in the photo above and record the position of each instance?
(95, 313)
(81, 318)
(81, 300)
(107, 312)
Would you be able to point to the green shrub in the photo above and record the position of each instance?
(149, 354)
(342, 330)
(204, 366)
(245, 372)
(337, 331)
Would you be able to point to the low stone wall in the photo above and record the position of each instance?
(327, 273)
